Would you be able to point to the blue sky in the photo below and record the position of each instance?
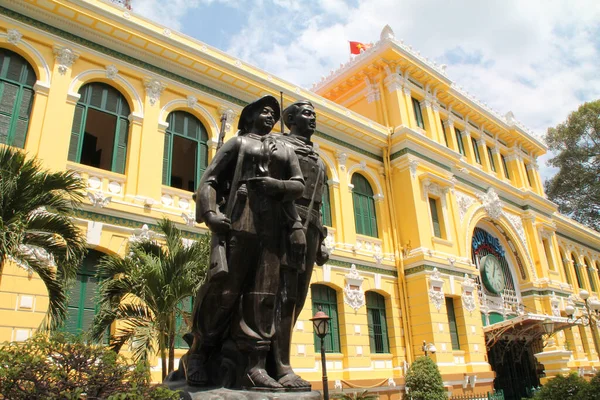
(538, 59)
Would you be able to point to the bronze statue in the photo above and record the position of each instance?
(246, 198)
(300, 118)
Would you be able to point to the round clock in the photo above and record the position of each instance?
(492, 274)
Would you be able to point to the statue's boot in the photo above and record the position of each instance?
(196, 368)
(257, 377)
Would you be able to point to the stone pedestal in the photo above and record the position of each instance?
(191, 393)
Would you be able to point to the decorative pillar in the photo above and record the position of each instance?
(450, 134)
(56, 132)
(498, 161)
(409, 106)
(469, 144)
(438, 125)
(428, 116)
(533, 170)
(516, 168)
(133, 153)
(394, 83)
(485, 159)
(150, 171)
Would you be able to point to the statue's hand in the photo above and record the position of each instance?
(217, 223)
(266, 185)
(298, 245)
(322, 255)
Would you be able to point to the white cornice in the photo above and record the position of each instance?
(225, 61)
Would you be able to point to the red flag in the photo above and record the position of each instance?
(357, 47)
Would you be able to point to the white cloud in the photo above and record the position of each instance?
(536, 58)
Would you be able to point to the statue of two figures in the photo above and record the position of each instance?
(261, 198)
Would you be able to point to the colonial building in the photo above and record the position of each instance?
(439, 228)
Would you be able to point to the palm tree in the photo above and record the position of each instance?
(36, 228)
(144, 291)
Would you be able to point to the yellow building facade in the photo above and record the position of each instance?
(438, 225)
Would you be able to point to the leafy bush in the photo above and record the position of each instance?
(355, 396)
(424, 381)
(592, 392)
(61, 366)
(564, 387)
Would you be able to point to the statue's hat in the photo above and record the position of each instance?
(267, 100)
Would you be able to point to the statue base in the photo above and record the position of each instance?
(200, 393)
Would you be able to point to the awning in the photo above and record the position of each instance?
(525, 327)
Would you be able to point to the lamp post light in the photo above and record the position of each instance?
(321, 324)
(428, 348)
(592, 307)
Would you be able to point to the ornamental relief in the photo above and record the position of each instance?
(464, 202)
(353, 293)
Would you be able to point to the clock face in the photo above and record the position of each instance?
(493, 276)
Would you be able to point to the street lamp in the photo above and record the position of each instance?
(548, 326)
(428, 348)
(592, 307)
(321, 324)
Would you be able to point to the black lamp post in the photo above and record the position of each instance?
(321, 324)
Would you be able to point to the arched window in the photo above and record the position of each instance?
(326, 205)
(378, 334)
(100, 129)
(82, 303)
(364, 207)
(325, 299)
(577, 271)
(565, 265)
(185, 153)
(590, 274)
(17, 78)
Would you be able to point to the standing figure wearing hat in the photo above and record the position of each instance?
(256, 177)
(300, 118)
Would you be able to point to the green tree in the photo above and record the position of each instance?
(592, 391)
(424, 381)
(576, 188)
(61, 366)
(145, 290)
(36, 228)
(563, 387)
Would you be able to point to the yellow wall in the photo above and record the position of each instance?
(371, 131)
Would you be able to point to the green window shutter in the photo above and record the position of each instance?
(435, 217)
(325, 205)
(365, 218)
(325, 298)
(505, 167)
(566, 269)
(76, 133)
(372, 219)
(476, 150)
(370, 318)
(378, 336)
(166, 176)
(418, 113)
(120, 157)
(491, 157)
(459, 141)
(71, 323)
(577, 268)
(16, 97)
(444, 132)
(202, 162)
(181, 327)
(452, 323)
(591, 277)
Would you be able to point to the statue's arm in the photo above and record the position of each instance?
(294, 185)
(221, 164)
